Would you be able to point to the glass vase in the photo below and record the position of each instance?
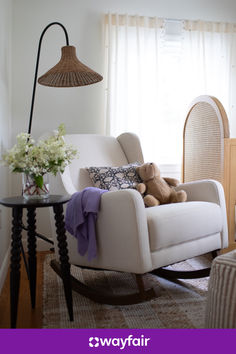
(35, 187)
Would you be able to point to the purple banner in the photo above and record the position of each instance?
(164, 341)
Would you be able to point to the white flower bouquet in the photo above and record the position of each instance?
(35, 160)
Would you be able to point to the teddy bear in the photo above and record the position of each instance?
(157, 190)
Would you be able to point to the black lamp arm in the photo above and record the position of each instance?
(37, 65)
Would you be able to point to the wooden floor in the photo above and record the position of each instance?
(27, 318)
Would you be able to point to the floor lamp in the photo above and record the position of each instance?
(69, 72)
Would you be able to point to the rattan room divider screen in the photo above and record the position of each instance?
(209, 153)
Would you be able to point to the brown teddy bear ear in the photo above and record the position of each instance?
(137, 169)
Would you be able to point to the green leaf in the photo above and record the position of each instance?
(39, 181)
(17, 169)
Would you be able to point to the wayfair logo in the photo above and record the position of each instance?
(95, 342)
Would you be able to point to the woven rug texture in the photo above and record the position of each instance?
(180, 303)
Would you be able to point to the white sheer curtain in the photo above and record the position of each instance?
(210, 50)
(155, 67)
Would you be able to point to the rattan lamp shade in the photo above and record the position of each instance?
(69, 72)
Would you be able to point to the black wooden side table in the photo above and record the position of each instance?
(18, 204)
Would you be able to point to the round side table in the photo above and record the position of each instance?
(18, 204)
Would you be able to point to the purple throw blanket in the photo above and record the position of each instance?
(80, 219)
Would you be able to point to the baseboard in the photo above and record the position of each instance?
(4, 269)
(41, 245)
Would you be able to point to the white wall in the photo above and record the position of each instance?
(81, 109)
(5, 118)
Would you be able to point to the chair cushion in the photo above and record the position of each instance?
(172, 224)
(115, 178)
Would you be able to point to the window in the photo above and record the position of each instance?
(155, 68)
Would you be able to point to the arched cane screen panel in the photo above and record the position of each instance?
(203, 144)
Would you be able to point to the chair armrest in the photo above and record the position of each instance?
(204, 190)
(208, 191)
(122, 235)
(122, 230)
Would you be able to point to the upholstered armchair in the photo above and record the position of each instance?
(135, 239)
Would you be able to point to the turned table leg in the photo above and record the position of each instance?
(15, 263)
(17, 204)
(63, 255)
(32, 260)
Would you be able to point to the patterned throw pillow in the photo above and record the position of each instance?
(115, 178)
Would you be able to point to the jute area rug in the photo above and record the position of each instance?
(180, 304)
